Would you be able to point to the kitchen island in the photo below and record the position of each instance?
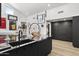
(30, 48)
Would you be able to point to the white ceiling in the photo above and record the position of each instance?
(32, 8)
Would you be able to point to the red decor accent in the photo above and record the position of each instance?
(2, 40)
(3, 23)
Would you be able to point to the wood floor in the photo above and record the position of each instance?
(63, 48)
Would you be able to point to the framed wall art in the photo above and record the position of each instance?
(41, 18)
(12, 25)
(12, 22)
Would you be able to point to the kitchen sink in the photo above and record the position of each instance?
(20, 42)
(25, 41)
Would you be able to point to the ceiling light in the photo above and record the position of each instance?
(64, 19)
(49, 5)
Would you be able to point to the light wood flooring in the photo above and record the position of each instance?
(63, 48)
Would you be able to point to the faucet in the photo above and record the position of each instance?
(20, 35)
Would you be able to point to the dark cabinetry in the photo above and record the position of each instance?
(39, 48)
(62, 30)
(44, 46)
(76, 31)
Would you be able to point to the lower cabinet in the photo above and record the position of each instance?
(45, 46)
(40, 48)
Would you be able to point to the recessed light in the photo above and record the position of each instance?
(49, 5)
(64, 19)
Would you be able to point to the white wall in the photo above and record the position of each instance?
(33, 19)
(8, 9)
(69, 10)
(21, 17)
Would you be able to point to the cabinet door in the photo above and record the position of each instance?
(11, 52)
(30, 50)
(45, 46)
(41, 46)
(76, 31)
